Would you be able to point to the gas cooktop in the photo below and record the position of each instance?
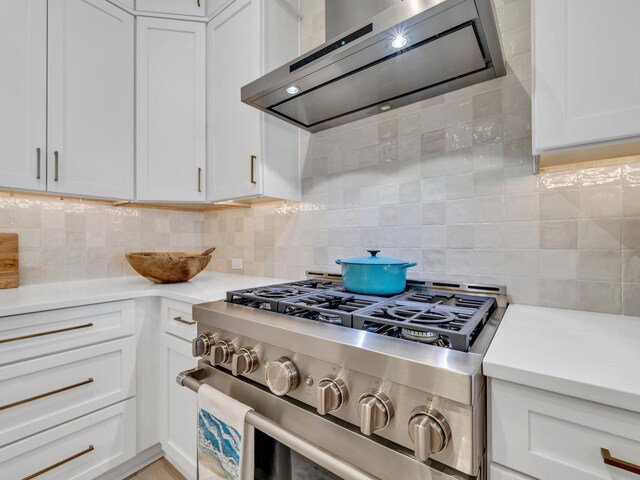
(441, 314)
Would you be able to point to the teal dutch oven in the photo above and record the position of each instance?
(374, 275)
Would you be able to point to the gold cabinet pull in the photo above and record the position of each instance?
(47, 394)
(182, 320)
(199, 179)
(38, 163)
(61, 462)
(253, 168)
(55, 166)
(42, 334)
(617, 463)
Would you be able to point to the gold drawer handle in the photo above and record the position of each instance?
(61, 462)
(41, 334)
(182, 320)
(43, 395)
(617, 463)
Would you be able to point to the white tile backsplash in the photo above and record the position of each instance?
(445, 182)
(65, 240)
(448, 182)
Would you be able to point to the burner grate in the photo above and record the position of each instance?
(328, 306)
(454, 319)
(318, 284)
(265, 298)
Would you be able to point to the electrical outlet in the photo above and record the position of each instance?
(236, 263)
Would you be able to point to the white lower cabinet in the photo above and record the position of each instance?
(549, 436)
(46, 391)
(43, 333)
(85, 389)
(176, 319)
(498, 472)
(178, 406)
(78, 450)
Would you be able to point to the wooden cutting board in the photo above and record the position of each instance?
(8, 260)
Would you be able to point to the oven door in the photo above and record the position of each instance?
(294, 442)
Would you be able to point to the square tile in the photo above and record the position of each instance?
(631, 299)
(460, 236)
(560, 264)
(631, 233)
(559, 234)
(600, 265)
(631, 266)
(522, 207)
(602, 297)
(558, 293)
(558, 205)
(600, 234)
(521, 235)
(600, 202)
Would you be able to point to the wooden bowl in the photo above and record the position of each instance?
(168, 267)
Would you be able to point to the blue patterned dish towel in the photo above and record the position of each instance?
(225, 440)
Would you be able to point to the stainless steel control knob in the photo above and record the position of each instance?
(201, 345)
(222, 352)
(245, 361)
(282, 376)
(331, 394)
(375, 411)
(429, 432)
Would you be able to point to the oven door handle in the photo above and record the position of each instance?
(343, 469)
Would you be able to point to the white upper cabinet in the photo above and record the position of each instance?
(23, 90)
(249, 155)
(586, 69)
(170, 106)
(90, 99)
(177, 7)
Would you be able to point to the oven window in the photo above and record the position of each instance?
(275, 461)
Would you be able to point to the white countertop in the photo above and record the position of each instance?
(206, 287)
(593, 356)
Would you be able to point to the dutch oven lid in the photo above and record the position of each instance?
(373, 259)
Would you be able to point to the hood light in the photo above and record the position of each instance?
(399, 41)
(384, 107)
(293, 89)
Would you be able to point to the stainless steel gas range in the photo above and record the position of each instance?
(355, 386)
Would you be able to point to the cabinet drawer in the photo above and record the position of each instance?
(47, 391)
(78, 450)
(37, 334)
(176, 7)
(176, 318)
(551, 436)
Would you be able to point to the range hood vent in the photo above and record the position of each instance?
(414, 50)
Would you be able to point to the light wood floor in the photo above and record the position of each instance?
(158, 470)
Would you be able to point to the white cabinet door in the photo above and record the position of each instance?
(179, 406)
(586, 70)
(23, 93)
(170, 101)
(234, 59)
(91, 86)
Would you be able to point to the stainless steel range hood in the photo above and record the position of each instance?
(366, 69)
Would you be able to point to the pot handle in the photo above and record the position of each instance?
(408, 265)
(339, 262)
